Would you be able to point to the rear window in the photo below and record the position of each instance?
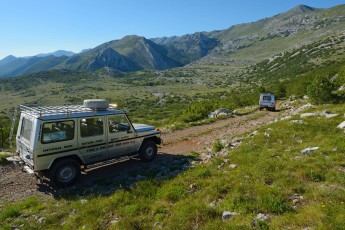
(57, 131)
(266, 98)
(26, 129)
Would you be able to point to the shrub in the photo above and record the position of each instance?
(217, 146)
(321, 90)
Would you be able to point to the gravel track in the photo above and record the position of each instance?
(16, 185)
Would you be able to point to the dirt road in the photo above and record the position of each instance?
(173, 158)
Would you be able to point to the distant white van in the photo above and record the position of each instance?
(268, 101)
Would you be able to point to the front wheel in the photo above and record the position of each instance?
(148, 151)
(65, 172)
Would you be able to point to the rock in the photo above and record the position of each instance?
(83, 201)
(325, 112)
(285, 118)
(341, 88)
(41, 220)
(159, 95)
(304, 107)
(228, 215)
(157, 225)
(224, 152)
(213, 204)
(256, 222)
(301, 122)
(305, 97)
(328, 114)
(219, 112)
(232, 166)
(221, 165)
(303, 115)
(238, 139)
(308, 150)
(114, 221)
(140, 177)
(341, 125)
(253, 133)
(262, 217)
(73, 212)
(331, 115)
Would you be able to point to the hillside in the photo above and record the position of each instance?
(251, 42)
(258, 178)
(236, 47)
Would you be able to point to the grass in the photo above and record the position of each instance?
(271, 177)
(3, 156)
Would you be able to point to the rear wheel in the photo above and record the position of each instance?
(65, 172)
(148, 151)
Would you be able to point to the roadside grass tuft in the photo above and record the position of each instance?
(217, 146)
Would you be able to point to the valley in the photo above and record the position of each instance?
(249, 163)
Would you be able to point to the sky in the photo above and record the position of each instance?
(30, 27)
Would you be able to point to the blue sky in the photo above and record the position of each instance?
(30, 27)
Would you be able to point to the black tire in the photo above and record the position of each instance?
(64, 172)
(148, 151)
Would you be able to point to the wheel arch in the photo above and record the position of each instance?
(74, 157)
(155, 139)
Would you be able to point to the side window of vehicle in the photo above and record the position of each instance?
(91, 127)
(57, 131)
(118, 123)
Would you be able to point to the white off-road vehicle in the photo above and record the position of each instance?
(60, 141)
(268, 101)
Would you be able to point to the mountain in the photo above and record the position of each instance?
(237, 47)
(7, 60)
(252, 42)
(20, 66)
(130, 53)
(12, 66)
(188, 48)
(58, 53)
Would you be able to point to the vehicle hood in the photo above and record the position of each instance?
(143, 127)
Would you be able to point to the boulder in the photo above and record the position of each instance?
(304, 107)
(341, 125)
(228, 215)
(262, 217)
(328, 114)
(308, 150)
(303, 115)
(301, 122)
(219, 112)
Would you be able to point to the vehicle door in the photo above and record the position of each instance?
(92, 138)
(25, 138)
(121, 135)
